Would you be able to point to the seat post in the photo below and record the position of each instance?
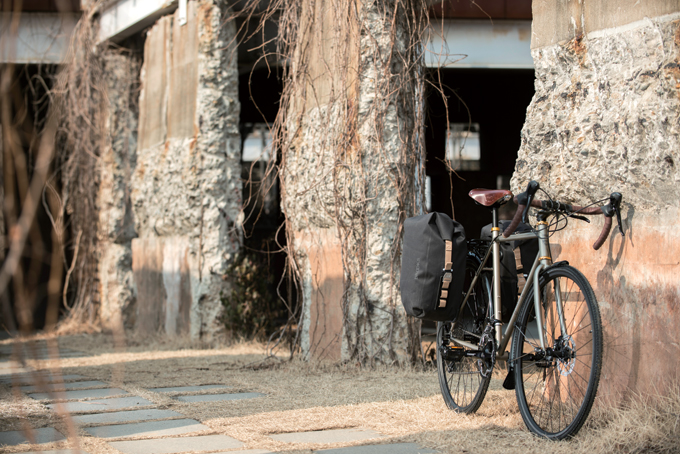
(494, 216)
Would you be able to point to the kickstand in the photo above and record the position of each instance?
(509, 382)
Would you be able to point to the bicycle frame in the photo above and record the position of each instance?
(543, 260)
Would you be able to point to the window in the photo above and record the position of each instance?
(258, 144)
(462, 146)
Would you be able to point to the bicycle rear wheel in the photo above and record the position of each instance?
(556, 386)
(463, 380)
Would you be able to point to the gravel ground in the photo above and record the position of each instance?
(405, 405)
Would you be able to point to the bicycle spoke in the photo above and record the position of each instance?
(555, 394)
(462, 385)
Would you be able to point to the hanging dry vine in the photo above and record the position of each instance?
(351, 167)
(80, 96)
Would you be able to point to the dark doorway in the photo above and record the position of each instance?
(259, 93)
(488, 106)
(28, 105)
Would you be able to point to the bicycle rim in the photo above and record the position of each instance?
(462, 383)
(556, 388)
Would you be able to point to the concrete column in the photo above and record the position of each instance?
(3, 228)
(350, 178)
(186, 185)
(116, 227)
(606, 117)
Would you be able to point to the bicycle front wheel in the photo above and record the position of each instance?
(556, 385)
(464, 379)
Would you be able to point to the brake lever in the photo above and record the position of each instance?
(614, 208)
(615, 200)
(580, 218)
(532, 188)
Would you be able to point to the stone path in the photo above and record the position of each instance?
(36, 350)
(328, 436)
(17, 437)
(109, 413)
(218, 397)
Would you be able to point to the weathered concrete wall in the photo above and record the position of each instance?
(349, 178)
(3, 241)
(116, 227)
(606, 117)
(562, 20)
(186, 185)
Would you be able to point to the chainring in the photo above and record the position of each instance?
(487, 346)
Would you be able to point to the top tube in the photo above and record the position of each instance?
(518, 236)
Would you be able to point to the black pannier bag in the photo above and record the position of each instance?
(433, 267)
(528, 249)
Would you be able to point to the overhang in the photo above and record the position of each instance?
(123, 18)
(479, 44)
(37, 38)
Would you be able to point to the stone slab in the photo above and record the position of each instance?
(32, 378)
(61, 451)
(9, 368)
(104, 404)
(79, 394)
(43, 353)
(46, 354)
(17, 437)
(328, 436)
(395, 448)
(219, 397)
(187, 389)
(65, 386)
(175, 445)
(125, 416)
(71, 354)
(148, 429)
(247, 451)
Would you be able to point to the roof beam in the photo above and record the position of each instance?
(124, 18)
(39, 38)
(479, 44)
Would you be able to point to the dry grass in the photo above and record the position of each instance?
(404, 405)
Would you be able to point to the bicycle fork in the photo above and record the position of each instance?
(545, 260)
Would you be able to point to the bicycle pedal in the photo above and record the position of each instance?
(453, 353)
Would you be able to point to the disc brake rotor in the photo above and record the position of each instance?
(566, 363)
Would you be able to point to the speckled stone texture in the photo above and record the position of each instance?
(186, 185)
(349, 180)
(116, 229)
(606, 116)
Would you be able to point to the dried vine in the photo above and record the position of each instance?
(80, 96)
(351, 104)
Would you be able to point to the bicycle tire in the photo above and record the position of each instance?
(461, 381)
(556, 393)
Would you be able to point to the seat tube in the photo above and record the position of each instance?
(496, 251)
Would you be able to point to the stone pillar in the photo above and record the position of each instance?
(350, 177)
(3, 234)
(186, 185)
(606, 117)
(116, 228)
